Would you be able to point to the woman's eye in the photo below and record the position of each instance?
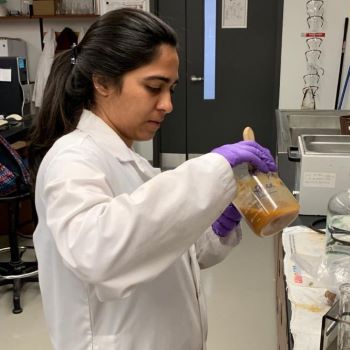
(153, 89)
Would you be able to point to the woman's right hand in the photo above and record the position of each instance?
(248, 152)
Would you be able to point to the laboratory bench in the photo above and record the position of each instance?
(17, 132)
(284, 312)
(291, 125)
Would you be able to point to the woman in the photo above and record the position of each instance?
(120, 245)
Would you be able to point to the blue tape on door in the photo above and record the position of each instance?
(209, 49)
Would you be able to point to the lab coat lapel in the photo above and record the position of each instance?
(110, 141)
(145, 167)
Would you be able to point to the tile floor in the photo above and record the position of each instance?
(240, 295)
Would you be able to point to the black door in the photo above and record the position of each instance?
(247, 80)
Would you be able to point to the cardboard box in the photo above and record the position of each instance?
(43, 7)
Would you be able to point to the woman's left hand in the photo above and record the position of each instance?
(227, 221)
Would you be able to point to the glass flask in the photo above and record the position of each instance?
(263, 199)
(343, 342)
(338, 224)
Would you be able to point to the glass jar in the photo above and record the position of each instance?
(343, 342)
(264, 201)
(25, 7)
(338, 224)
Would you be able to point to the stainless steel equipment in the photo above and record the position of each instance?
(324, 170)
(11, 47)
(292, 123)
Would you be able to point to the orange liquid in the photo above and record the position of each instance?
(265, 223)
(266, 203)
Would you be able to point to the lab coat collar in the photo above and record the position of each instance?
(111, 142)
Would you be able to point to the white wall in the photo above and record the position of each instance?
(145, 148)
(293, 63)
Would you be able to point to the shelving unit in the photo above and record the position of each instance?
(47, 16)
(41, 20)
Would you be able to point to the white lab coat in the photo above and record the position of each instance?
(120, 244)
(81, 35)
(44, 66)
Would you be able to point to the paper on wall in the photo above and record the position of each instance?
(110, 5)
(234, 13)
(5, 75)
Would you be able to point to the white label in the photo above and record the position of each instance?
(325, 180)
(234, 13)
(5, 74)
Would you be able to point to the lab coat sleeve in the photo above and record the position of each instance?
(118, 242)
(212, 249)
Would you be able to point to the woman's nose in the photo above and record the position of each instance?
(165, 102)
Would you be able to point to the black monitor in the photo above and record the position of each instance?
(14, 86)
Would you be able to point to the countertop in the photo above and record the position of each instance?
(13, 133)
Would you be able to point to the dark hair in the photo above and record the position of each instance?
(118, 42)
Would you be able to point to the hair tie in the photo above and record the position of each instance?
(74, 54)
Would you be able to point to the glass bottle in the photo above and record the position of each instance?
(25, 9)
(343, 342)
(338, 224)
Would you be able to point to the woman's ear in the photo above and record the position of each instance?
(101, 85)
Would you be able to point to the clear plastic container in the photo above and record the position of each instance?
(338, 224)
(264, 201)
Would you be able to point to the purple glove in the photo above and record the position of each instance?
(248, 152)
(227, 221)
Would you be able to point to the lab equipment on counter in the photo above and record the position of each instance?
(292, 123)
(15, 117)
(15, 89)
(344, 317)
(334, 269)
(335, 330)
(338, 224)
(329, 328)
(12, 47)
(303, 250)
(263, 200)
(323, 171)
